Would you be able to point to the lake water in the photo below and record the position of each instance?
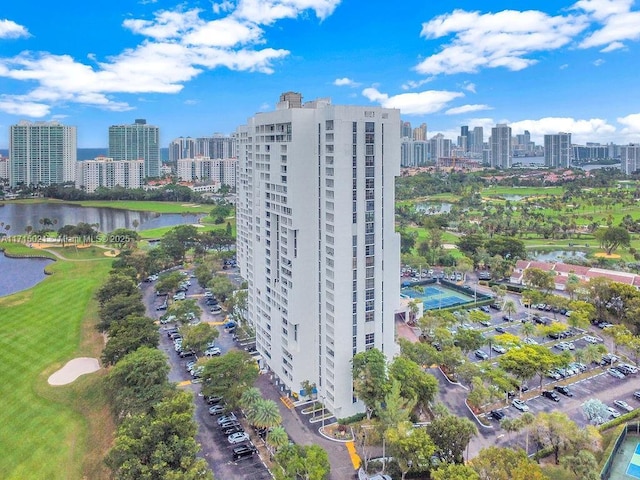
(18, 274)
(434, 208)
(556, 255)
(20, 216)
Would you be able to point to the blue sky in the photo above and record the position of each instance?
(198, 67)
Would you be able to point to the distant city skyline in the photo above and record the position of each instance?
(196, 68)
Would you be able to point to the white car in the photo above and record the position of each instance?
(623, 405)
(564, 346)
(613, 412)
(520, 405)
(615, 373)
(212, 351)
(238, 437)
(179, 296)
(216, 409)
(498, 349)
(530, 341)
(226, 418)
(591, 339)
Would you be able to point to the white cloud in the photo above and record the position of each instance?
(411, 84)
(345, 82)
(491, 40)
(469, 86)
(467, 109)
(191, 101)
(420, 103)
(564, 66)
(617, 20)
(612, 46)
(10, 29)
(178, 45)
(598, 61)
(631, 124)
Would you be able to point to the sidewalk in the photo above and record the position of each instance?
(302, 433)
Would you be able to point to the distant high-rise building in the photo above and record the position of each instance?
(322, 279)
(557, 150)
(501, 155)
(109, 173)
(413, 153)
(463, 139)
(205, 169)
(405, 130)
(217, 146)
(42, 153)
(591, 151)
(182, 147)
(630, 158)
(4, 169)
(420, 133)
(439, 147)
(137, 141)
(478, 141)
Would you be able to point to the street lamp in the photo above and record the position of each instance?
(324, 401)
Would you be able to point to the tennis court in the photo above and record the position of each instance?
(633, 470)
(436, 297)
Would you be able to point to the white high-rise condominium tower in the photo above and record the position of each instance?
(322, 277)
(557, 150)
(138, 141)
(42, 153)
(501, 154)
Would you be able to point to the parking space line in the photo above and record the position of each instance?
(287, 402)
(353, 455)
(184, 383)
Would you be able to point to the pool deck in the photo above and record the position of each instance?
(623, 457)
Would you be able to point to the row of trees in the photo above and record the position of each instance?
(156, 430)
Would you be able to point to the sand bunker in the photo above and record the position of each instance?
(73, 369)
(606, 255)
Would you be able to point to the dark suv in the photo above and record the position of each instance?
(551, 395)
(244, 451)
(496, 414)
(564, 390)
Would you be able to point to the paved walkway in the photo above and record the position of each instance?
(304, 433)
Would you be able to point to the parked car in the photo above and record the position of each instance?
(500, 330)
(485, 309)
(481, 354)
(551, 395)
(496, 415)
(564, 390)
(591, 339)
(211, 400)
(485, 323)
(244, 451)
(227, 418)
(636, 395)
(231, 430)
(623, 405)
(520, 405)
(238, 437)
(212, 351)
(613, 412)
(616, 373)
(495, 306)
(216, 409)
(554, 374)
(498, 348)
(530, 341)
(229, 424)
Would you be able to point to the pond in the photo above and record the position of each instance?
(433, 208)
(556, 255)
(17, 274)
(19, 216)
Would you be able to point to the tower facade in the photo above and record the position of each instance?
(42, 153)
(322, 278)
(137, 141)
(557, 150)
(501, 153)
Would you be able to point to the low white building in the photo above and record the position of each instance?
(109, 173)
(205, 169)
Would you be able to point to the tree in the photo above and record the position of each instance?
(556, 430)
(450, 434)
(396, 408)
(221, 287)
(454, 471)
(116, 284)
(595, 411)
(583, 465)
(306, 462)
(185, 310)
(410, 447)
(528, 360)
(229, 375)
(122, 237)
(198, 336)
(203, 275)
(611, 238)
(538, 278)
(510, 307)
(469, 339)
(421, 353)
(414, 382)
(572, 285)
(249, 397)
(494, 463)
(128, 335)
(169, 282)
(237, 305)
(118, 308)
(307, 388)
(159, 445)
(138, 381)
(264, 413)
(369, 370)
(277, 437)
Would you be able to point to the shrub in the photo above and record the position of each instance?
(352, 419)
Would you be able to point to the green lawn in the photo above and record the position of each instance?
(524, 191)
(47, 432)
(159, 207)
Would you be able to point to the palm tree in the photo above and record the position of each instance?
(277, 437)
(510, 307)
(528, 329)
(264, 414)
(249, 398)
(526, 420)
